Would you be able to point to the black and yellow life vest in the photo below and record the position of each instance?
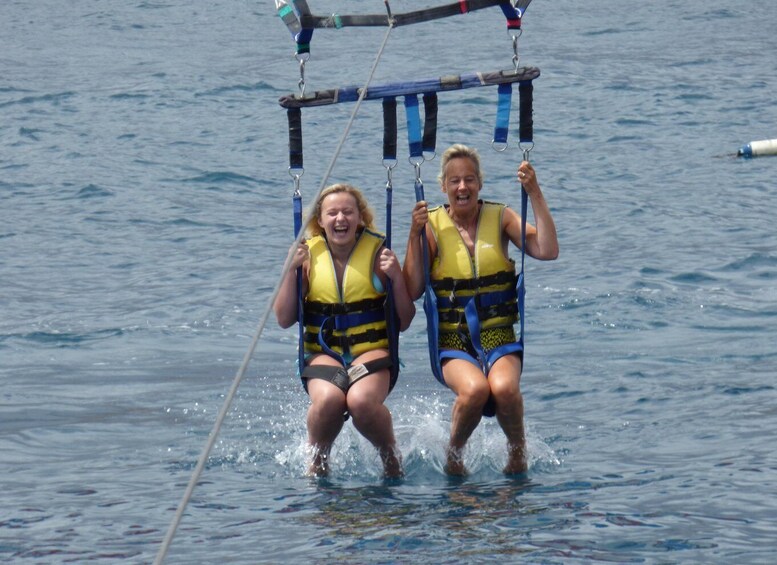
(349, 320)
(488, 277)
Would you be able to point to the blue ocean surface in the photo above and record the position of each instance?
(146, 213)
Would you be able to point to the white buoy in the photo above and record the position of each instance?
(759, 148)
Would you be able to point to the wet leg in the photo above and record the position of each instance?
(324, 421)
(373, 420)
(505, 379)
(471, 388)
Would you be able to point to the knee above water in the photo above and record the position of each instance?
(359, 405)
(477, 392)
(506, 391)
(329, 402)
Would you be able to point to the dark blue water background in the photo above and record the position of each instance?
(144, 218)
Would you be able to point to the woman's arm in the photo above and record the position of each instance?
(285, 306)
(413, 268)
(388, 264)
(541, 238)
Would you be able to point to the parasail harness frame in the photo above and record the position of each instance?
(422, 147)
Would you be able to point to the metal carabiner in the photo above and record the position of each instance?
(499, 148)
(296, 176)
(302, 58)
(389, 164)
(417, 166)
(516, 57)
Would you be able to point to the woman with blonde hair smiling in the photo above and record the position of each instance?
(346, 271)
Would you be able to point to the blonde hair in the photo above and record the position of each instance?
(454, 152)
(313, 228)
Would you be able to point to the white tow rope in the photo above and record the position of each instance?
(260, 328)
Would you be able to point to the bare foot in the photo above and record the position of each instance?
(319, 467)
(516, 461)
(392, 465)
(455, 464)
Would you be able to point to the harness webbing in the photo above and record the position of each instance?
(438, 84)
(328, 309)
(505, 92)
(295, 138)
(389, 130)
(511, 12)
(389, 162)
(301, 22)
(451, 284)
(343, 377)
(429, 140)
(413, 119)
(526, 123)
(389, 155)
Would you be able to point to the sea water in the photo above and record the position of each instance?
(145, 214)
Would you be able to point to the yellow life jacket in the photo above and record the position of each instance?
(346, 321)
(457, 277)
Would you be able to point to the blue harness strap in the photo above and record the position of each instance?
(415, 147)
(505, 91)
(389, 160)
(297, 205)
(413, 118)
(430, 301)
(296, 170)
